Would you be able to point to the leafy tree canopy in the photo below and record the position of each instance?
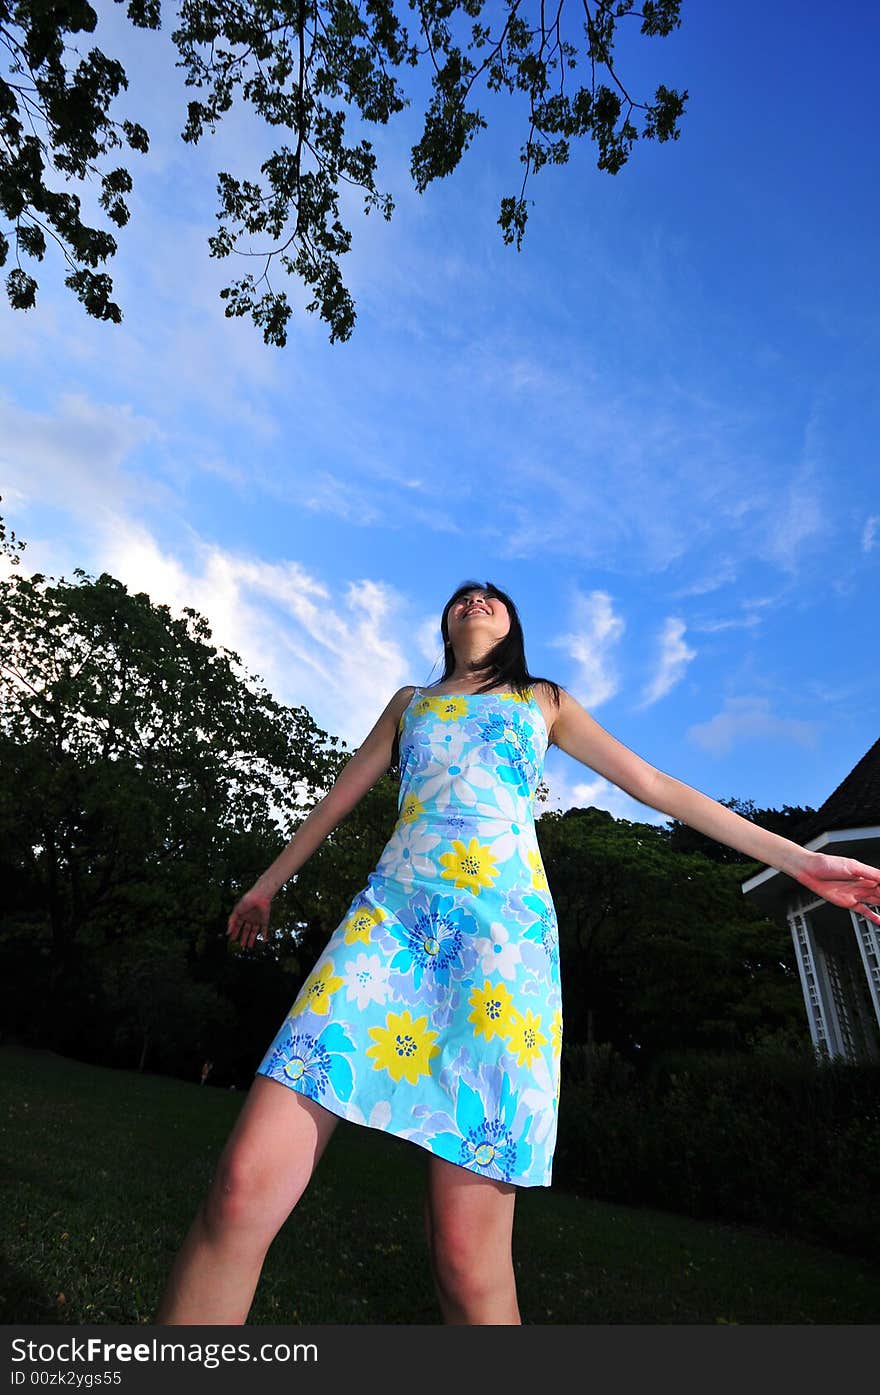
(145, 783)
(300, 64)
(142, 780)
(684, 839)
(660, 946)
(10, 546)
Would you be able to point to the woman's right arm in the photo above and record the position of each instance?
(250, 918)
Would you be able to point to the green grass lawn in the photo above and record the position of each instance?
(103, 1171)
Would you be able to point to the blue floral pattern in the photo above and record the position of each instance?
(435, 1009)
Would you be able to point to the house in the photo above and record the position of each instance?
(837, 950)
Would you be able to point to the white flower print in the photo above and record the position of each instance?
(498, 953)
(366, 980)
(380, 1114)
(453, 777)
(405, 855)
(502, 826)
(540, 1098)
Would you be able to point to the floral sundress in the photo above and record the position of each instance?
(434, 1011)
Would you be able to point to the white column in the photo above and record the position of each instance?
(868, 938)
(838, 975)
(818, 997)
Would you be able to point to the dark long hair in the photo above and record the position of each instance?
(505, 662)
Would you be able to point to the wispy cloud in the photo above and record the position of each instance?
(743, 622)
(648, 473)
(800, 515)
(74, 456)
(869, 532)
(339, 651)
(745, 720)
(722, 575)
(673, 660)
(753, 606)
(324, 492)
(590, 645)
(369, 495)
(566, 792)
(429, 643)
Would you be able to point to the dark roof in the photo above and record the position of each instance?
(854, 804)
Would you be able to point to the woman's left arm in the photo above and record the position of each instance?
(841, 880)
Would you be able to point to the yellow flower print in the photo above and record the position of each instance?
(448, 708)
(315, 992)
(412, 809)
(472, 867)
(526, 1037)
(556, 1032)
(492, 1007)
(359, 925)
(403, 1047)
(517, 697)
(539, 876)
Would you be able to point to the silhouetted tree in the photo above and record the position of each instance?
(300, 62)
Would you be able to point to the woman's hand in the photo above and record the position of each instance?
(250, 918)
(844, 882)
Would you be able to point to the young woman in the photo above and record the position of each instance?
(434, 1010)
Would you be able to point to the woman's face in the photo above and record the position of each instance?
(478, 613)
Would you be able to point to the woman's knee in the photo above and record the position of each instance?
(268, 1159)
(237, 1194)
(466, 1269)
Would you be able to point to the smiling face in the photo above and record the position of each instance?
(476, 620)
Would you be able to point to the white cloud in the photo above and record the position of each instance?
(429, 643)
(797, 517)
(721, 576)
(598, 630)
(749, 719)
(762, 602)
(323, 492)
(336, 654)
(73, 455)
(746, 622)
(573, 793)
(674, 658)
(869, 532)
(340, 656)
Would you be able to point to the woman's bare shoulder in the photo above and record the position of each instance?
(404, 695)
(543, 688)
(545, 696)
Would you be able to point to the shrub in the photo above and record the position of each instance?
(776, 1138)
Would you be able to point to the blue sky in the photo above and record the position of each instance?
(656, 426)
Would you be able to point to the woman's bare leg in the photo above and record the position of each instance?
(264, 1169)
(469, 1220)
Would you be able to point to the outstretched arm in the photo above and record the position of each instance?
(250, 917)
(841, 880)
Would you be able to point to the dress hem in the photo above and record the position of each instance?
(333, 1107)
